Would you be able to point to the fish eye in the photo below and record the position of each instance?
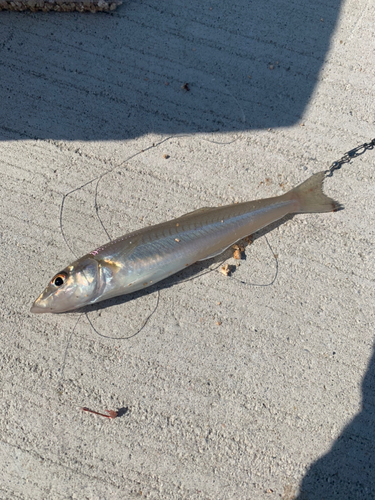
(59, 279)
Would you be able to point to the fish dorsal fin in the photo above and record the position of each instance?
(198, 211)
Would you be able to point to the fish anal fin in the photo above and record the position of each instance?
(215, 254)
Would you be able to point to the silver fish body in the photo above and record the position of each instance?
(146, 256)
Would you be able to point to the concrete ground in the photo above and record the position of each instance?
(231, 390)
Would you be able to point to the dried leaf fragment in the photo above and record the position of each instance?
(238, 251)
(226, 269)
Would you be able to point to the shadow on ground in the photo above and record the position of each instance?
(120, 75)
(347, 471)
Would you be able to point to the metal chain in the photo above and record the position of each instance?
(353, 153)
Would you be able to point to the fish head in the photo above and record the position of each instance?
(75, 286)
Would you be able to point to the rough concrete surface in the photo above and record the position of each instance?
(231, 390)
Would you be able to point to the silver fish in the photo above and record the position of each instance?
(146, 256)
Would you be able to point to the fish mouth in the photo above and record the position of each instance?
(37, 309)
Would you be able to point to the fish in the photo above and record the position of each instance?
(146, 256)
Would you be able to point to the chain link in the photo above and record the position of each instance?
(353, 153)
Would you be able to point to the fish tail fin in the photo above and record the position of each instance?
(310, 197)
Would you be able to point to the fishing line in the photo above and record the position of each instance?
(335, 166)
(202, 273)
(212, 269)
(276, 270)
(329, 172)
(96, 206)
(122, 164)
(66, 350)
(98, 179)
(134, 334)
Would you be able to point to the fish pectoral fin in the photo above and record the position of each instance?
(129, 248)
